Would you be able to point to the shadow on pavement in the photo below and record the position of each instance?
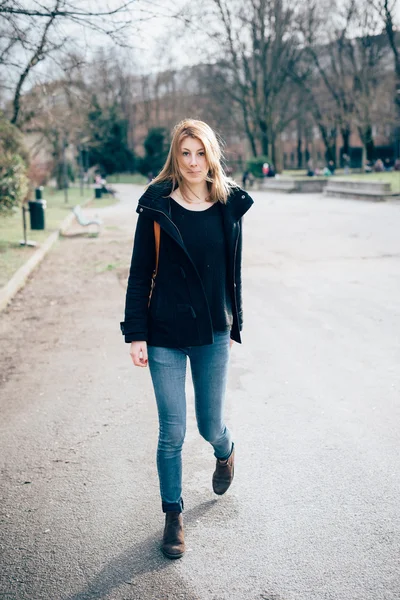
(145, 557)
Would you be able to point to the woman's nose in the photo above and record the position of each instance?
(193, 159)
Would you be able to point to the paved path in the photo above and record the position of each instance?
(314, 401)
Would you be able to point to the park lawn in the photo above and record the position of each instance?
(136, 178)
(392, 177)
(12, 255)
(302, 174)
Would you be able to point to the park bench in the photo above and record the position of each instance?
(84, 221)
(291, 185)
(378, 191)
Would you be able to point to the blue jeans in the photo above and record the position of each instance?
(209, 366)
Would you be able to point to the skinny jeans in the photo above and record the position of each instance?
(209, 367)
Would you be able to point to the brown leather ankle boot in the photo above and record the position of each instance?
(223, 474)
(173, 544)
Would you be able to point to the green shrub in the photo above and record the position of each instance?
(156, 150)
(254, 165)
(14, 183)
(11, 140)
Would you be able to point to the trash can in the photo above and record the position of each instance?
(36, 212)
(38, 193)
(97, 192)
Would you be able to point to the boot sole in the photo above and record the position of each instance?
(172, 556)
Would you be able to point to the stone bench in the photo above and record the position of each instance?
(378, 191)
(309, 185)
(280, 185)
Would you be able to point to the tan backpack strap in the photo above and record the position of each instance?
(157, 242)
(157, 239)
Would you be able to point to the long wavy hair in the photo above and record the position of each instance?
(219, 185)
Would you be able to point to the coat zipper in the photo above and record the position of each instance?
(234, 274)
(183, 243)
(166, 216)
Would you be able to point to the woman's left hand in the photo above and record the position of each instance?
(231, 342)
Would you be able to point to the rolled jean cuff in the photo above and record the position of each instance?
(225, 457)
(173, 506)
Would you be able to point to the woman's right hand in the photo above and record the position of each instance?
(138, 354)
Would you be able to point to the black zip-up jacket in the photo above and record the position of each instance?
(178, 314)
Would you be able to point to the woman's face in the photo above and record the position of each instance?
(192, 160)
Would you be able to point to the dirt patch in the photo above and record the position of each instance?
(67, 283)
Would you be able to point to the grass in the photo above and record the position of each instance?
(127, 178)
(12, 255)
(392, 177)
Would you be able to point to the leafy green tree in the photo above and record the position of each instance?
(255, 165)
(108, 144)
(14, 184)
(156, 151)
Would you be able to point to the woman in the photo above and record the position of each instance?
(194, 309)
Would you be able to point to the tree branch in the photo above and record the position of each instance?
(37, 56)
(8, 10)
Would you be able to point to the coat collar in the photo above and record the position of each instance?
(157, 197)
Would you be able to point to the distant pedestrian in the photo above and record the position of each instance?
(368, 166)
(331, 167)
(379, 166)
(265, 169)
(188, 242)
(346, 164)
(245, 177)
(397, 164)
(388, 165)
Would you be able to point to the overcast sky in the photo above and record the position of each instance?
(155, 35)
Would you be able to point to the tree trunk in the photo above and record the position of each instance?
(346, 132)
(299, 150)
(276, 155)
(264, 137)
(370, 149)
(35, 58)
(329, 139)
(60, 176)
(368, 142)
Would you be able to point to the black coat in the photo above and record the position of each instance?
(178, 314)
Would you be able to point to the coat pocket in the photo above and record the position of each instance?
(186, 323)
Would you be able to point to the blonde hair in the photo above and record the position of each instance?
(219, 185)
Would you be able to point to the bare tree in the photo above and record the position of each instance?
(253, 49)
(387, 9)
(34, 32)
(347, 55)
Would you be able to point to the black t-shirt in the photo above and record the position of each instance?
(203, 235)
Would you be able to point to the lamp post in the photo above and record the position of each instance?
(65, 169)
(82, 153)
(80, 162)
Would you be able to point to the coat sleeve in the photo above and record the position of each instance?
(134, 327)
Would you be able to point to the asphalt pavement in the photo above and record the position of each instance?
(313, 401)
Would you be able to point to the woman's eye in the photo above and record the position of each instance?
(201, 153)
(185, 153)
